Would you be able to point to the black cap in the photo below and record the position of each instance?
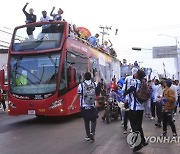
(168, 82)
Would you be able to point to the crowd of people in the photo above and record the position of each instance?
(161, 103)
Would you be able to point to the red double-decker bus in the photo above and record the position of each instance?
(44, 69)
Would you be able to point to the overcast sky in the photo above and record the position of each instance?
(138, 21)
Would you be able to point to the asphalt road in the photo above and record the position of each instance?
(31, 135)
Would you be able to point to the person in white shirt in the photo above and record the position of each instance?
(126, 85)
(155, 85)
(178, 93)
(88, 107)
(45, 18)
(174, 87)
(158, 96)
(136, 108)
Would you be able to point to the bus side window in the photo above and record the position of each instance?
(72, 77)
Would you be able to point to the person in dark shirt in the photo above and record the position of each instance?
(30, 18)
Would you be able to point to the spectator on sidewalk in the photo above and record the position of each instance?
(178, 93)
(158, 96)
(174, 87)
(3, 98)
(155, 85)
(168, 103)
(148, 102)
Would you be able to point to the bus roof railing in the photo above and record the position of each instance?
(84, 41)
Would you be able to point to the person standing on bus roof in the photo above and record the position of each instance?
(30, 18)
(57, 16)
(86, 92)
(45, 18)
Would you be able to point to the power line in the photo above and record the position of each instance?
(7, 28)
(6, 32)
(4, 46)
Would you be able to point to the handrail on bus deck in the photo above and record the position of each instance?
(87, 43)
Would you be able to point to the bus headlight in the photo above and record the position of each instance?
(11, 104)
(56, 104)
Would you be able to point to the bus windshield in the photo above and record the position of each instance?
(35, 74)
(39, 37)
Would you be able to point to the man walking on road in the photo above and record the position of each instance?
(86, 92)
(168, 102)
(136, 108)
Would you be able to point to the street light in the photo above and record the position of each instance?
(178, 54)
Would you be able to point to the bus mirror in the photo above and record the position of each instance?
(1, 78)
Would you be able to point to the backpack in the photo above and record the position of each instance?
(89, 94)
(143, 93)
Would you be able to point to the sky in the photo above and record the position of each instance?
(139, 23)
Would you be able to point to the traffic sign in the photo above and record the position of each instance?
(165, 52)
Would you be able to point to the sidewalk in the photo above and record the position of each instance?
(155, 146)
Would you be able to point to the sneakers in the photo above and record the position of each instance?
(152, 118)
(145, 144)
(92, 137)
(130, 130)
(164, 134)
(87, 138)
(158, 125)
(103, 118)
(125, 132)
(174, 134)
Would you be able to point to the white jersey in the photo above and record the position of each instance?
(133, 102)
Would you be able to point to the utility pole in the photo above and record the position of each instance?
(103, 31)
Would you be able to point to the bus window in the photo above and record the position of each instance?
(72, 77)
(77, 64)
(40, 40)
(63, 81)
(34, 74)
